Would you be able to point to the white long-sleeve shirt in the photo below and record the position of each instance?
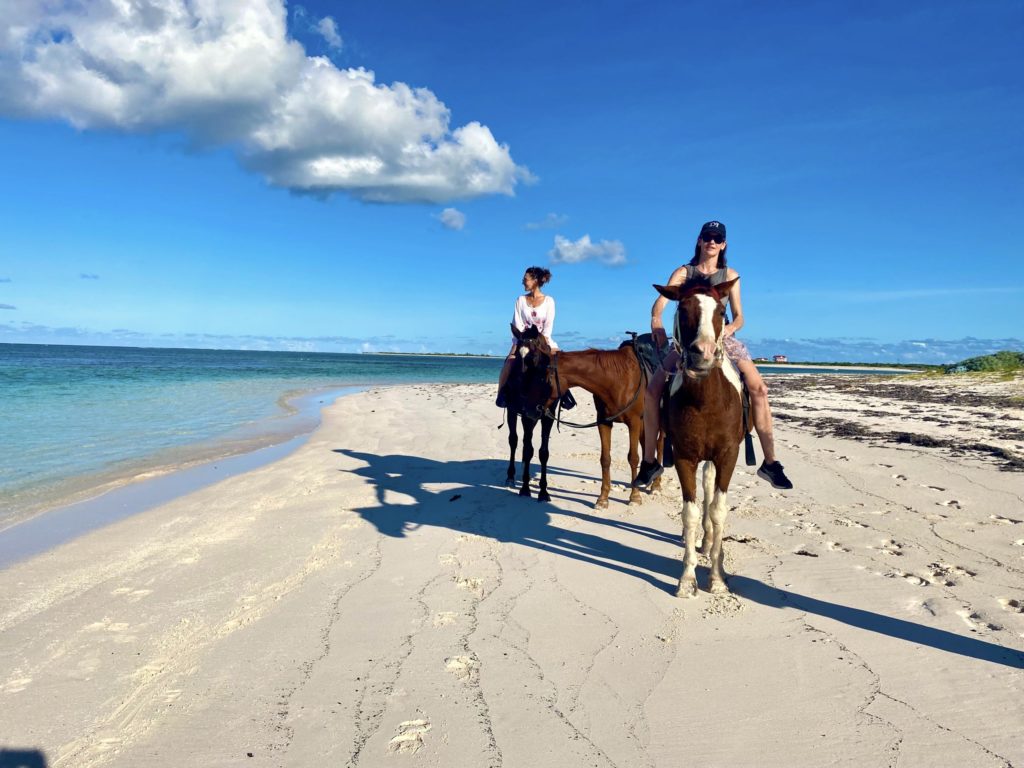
(543, 317)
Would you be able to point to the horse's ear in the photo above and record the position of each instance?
(668, 291)
(722, 289)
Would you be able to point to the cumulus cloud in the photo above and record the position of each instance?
(7, 306)
(452, 218)
(225, 72)
(88, 276)
(565, 251)
(550, 221)
(329, 31)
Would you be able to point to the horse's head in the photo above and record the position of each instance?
(533, 372)
(700, 317)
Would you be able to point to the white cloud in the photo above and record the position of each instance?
(610, 252)
(225, 72)
(452, 218)
(329, 30)
(550, 221)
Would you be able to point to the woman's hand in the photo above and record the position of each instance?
(728, 331)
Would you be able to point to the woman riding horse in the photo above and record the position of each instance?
(709, 262)
(533, 309)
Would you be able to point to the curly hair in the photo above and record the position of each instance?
(539, 274)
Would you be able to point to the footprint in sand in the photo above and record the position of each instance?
(849, 523)
(15, 685)
(885, 466)
(444, 618)
(1005, 520)
(898, 477)
(951, 503)
(476, 586)
(1014, 606)
(409, 738)
(466, 668)
(933, 488)
(975, 622)
(890, 547)
(835, 546)
(944, 572)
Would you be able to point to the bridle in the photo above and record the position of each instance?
(552, 367)
(684, 351)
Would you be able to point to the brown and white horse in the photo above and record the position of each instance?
(615, 379)
(705, 422)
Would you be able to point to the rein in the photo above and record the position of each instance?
(557, 416)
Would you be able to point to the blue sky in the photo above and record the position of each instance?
(377, 175)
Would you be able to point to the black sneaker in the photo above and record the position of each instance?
(773, 474)
(649, 472)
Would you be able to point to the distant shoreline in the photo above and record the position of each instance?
(866, 367)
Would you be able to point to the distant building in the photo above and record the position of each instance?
(780, 359)
(760, 359)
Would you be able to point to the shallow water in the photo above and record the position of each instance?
(75, 417)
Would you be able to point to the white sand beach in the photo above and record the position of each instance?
(377, 598)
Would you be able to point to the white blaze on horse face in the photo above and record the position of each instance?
(706, 340)
(524, 351)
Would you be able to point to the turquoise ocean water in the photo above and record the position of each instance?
(75, 418)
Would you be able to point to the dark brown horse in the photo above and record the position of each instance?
(516, 410)
(613, 377)
(705, 422)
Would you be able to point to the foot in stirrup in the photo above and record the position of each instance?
(773, 474)
(649, 472)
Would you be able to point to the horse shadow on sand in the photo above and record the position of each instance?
(474, 502)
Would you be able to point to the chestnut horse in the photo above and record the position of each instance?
(705, 422)
(613, 377)
(516, 409)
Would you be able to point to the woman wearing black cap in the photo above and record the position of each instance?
(709, 262)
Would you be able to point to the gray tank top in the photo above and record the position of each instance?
(715, 278)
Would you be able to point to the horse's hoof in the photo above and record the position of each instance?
(704, 551)
(601, 504)
(717, 587)
(524, 491)
(510, 482)
(656, 485)
(635, 499)
(543, 496)
(687, 588)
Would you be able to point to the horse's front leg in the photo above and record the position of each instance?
(719, 510)
(636, 428)
(687, 472)
(709, 495)
(528, 426)
(545, 435)
(513, 442)
(605, 429)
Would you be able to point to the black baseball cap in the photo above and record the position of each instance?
(713, 227)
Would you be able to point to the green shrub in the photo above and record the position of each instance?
(1005, 360)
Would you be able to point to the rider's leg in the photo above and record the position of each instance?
(652, 413)
(760, 410)
(771, 470)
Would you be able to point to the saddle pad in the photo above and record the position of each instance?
(646, 351)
